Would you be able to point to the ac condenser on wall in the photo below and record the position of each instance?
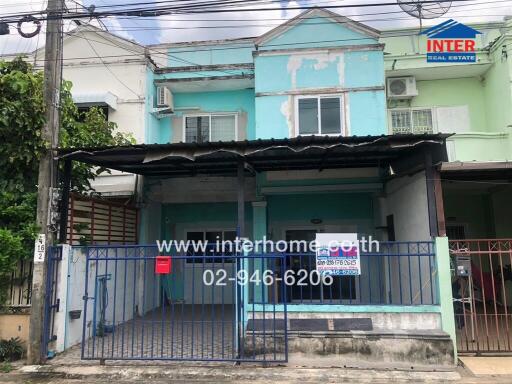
(164, 98)
(401, 87)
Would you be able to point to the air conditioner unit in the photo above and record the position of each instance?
(401, 87)
(164, 98)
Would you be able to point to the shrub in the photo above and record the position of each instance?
(11, 350)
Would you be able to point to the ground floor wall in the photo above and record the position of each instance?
(480, 210)
(15, 325)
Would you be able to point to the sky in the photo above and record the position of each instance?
(174, 28)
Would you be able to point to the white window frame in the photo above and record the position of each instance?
(318, 97)
(410, 110)
(204, 230)
(209, 115)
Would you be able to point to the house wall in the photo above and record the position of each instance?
(502, 212)
(477, 220)
(170, 129)
(475, 98)
(125, 293)
(406, 200)
(98, 63)
(280, 77)
(15, 325)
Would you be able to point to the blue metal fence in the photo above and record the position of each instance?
(199, 312)
(397, 273)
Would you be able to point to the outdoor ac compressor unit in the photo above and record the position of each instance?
(164, 98)
(401, 87)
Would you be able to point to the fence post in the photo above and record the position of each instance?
(445, 290)
(61, 317)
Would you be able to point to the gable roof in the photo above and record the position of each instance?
(451, 29)
(119, 41)
(318, 12)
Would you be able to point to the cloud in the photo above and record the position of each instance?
(14, 43)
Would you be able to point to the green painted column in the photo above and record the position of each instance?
(445, 289)
(259, 225)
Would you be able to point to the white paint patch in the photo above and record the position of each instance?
(322, 60)
(347, 113)
(341, 69)
(287, 111)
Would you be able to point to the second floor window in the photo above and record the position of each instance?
(205, 128)
(319, 115)
(411, 121)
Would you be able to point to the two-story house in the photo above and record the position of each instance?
(473, 102)
(279, 137)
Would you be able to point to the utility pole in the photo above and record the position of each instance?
(47, 179)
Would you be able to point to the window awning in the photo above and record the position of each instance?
(95, 99)
(300, 153)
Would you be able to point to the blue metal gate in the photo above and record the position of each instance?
(211, 307)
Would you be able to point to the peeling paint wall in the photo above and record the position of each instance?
(356, 75)
(240, 102)
(351, 65)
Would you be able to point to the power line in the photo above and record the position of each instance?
(196, 8)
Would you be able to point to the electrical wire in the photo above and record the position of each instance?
(196, 8)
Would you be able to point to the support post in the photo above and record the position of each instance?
(259, 225)
(438, 192)
(241, 198)
(64, 204)
(47, 174)
(431, 200)
(444, 290)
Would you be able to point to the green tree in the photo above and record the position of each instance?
(22, 116)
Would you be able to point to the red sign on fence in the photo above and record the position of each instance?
(163, 265)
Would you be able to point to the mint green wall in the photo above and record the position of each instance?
(347, 208)
(455, 92)
(203, 54)
(498, 90)
(317, 32)
(240, 101)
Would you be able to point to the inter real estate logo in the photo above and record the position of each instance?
(451, 42)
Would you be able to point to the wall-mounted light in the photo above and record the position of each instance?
(316, 221)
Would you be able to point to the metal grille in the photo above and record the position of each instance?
(415, 121)
(398, 273)
(401, 122)
(20, 285)
(482, 294)
(223, 128)
(422, 121)
(131, 313)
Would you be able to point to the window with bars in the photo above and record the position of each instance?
(205, 128)
(411, 121)
(319, 115)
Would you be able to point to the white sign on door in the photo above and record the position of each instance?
(337, 254)
(40, 249)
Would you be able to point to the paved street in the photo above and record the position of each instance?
(190, 373)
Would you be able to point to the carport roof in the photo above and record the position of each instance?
(222, 158)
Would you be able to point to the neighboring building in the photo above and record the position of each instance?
(109, 72)
(473, 101)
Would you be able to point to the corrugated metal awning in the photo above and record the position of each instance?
(221, 158)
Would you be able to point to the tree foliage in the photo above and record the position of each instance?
(22, 116)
